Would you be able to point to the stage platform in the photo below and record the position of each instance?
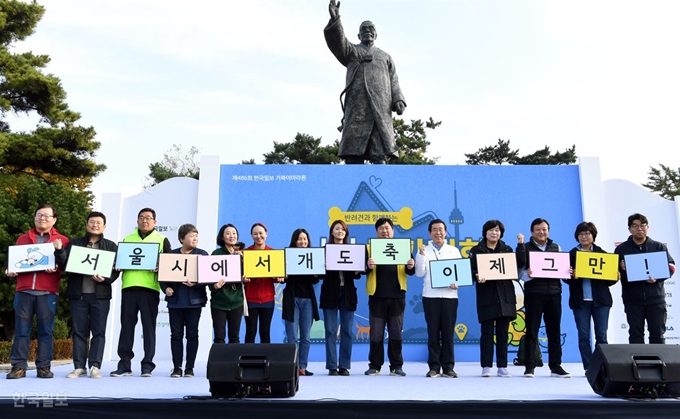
(323, 396)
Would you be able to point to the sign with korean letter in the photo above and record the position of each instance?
(88, 261)
(496, 266)
(264, 263)
(445, 272)
(305, 261)
(30, 257)
(178, 267)
(549, 265)
(641, 266)
(595, 265)
(137, 256)
(212, 269)
(346, 257)
(390, 251)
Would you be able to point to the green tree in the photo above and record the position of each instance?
(52, 163)
(304, 149)
(502, 153)
(176, 163)
(664, 181)
(412, 141)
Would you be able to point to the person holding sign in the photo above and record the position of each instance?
(36, 296)
(185, 303)
(89, 298)
(386, 289)
(589, 299)
(260, 293)
(643, 300)
(140, 297)
(339, 297)
(299, 305)
(440, 304)
(496, 302)
(227, 300)
(542, 298)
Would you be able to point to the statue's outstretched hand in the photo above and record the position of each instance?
(334, 9)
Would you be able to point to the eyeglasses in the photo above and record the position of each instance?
(638, 226)
(95, 223)
(145, 218)
(45, 216)
(585, 234)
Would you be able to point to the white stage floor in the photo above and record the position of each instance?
(357, 387)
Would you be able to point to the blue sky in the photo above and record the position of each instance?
(231, 77)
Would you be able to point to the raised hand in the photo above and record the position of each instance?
(334, 9)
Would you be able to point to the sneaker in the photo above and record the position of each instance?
(450, 374)
(333, 372)
(503, 372)
(146, 373)
(432, 374)
(558, 371)
(397, 372)
(78, 372)
(344, 372)
(95, 373)
(529, 372)
(16, 373)
(44, 372)
(486, 372)
(176, 372)
(305, 372)
(189, 372)
(121, 373)
(372, 371)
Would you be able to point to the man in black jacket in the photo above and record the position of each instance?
(89, 298)
(542, 298)
(643, 300)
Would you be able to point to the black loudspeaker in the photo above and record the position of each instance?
(253, 370)
(635, 371)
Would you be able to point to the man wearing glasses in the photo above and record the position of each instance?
(89, 299)
(140, 296)
(643, 300)
(36, 295)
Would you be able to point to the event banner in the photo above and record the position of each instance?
(346, 257)
(591, 265)
(496, 266)
(549, 265)
(137, 256)
(264, 263)
(88, 261)
(305, 260)
(445, 272)
(643, 265)
(213, 269)
(178, 267)
(30, 257)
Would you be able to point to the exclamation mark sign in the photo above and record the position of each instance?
(647, 266)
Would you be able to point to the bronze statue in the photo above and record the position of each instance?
(371, 93)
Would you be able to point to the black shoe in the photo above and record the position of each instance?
(146, 373)
(529, 372)
(558, 371)
(450, 374)
(344, 372)
(176, 372)
(44, 372)
(333, 372)
(121, 373)
(16, 373)
(189, 372)
(305, 372)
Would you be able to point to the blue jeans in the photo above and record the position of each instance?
(582, 316)
(43, 308)
(302, 322)
(330, 319)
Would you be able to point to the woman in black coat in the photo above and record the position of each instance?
(496, 302)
